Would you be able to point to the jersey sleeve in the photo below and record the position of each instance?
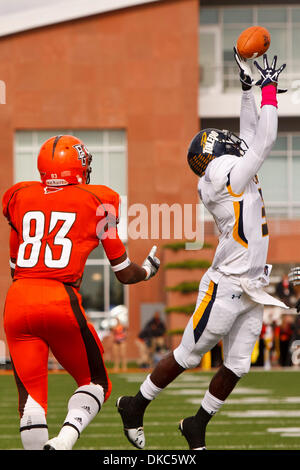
(248, 117)
(107, 214)
(8, 198)
(219, 169)
(248, 166)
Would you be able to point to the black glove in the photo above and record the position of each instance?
(269, 74)
(245, 71)
(297, 306)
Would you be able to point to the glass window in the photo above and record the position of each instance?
(238, 15)
(209, 15)
(273, 177)
(280, 144)
(295, 176)
(296, 143)
(295, 47)
(40, 137)
(117, 170)
(208, 44)
(26, 170)
(92, 289)
(271, 15)
(24, 138)
(116, 293)
(98, 169)
(295, 14)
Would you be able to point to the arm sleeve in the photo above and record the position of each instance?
(107, 228)
(13, 250)
(248, 117)
(246, 168)
(113, 246)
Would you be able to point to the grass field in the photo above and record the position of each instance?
(261, 414)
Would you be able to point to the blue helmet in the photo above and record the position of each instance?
(212, 143)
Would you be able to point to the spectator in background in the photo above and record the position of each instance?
(151, 340)
(143, 343)
(157, 331)
(119, 346)
(285, 291)
(285, 333)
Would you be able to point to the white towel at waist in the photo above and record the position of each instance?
(257, 293)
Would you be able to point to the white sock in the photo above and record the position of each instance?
(149, 390)
(210, 403)
(33, 426)
(69, 435)
(83, 406)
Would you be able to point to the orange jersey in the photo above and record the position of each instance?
(55, 229)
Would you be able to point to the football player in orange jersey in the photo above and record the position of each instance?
(55, 224)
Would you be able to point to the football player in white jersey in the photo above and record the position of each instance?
(231, 296)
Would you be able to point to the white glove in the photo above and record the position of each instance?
(151, 263)
(245, 71)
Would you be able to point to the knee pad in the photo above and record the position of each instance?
(239, 366)
(185, 358)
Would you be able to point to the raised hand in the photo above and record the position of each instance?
(151, 263)
(245, 71)
(269, 74)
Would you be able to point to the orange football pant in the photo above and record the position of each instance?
(40, 314)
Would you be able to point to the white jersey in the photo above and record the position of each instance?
(231, 192)
(240, 218)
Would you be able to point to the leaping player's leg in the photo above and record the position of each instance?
(238, 345)
(29, 355)
(197, 340)
(76, 346)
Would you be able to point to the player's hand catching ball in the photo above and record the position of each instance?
(269, 74)
(245, 71)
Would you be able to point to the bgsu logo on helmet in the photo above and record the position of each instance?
(82, 153)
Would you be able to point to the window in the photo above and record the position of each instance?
(279, 178)
(228, 22)
(100, 290)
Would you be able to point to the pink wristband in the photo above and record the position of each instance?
(268, 95)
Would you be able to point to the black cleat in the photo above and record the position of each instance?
(190, 430)
(48, 447)
(132, 422)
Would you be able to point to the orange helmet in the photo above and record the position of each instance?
(64, 159)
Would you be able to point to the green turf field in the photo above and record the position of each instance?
(263, 413)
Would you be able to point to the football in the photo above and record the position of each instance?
(253, 42)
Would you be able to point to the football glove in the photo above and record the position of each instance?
(151, 263)
(245, 71)
(269, 74)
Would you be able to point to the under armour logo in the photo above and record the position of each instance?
(234, 296)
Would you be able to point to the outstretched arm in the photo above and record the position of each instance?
(248, 114)
(247, 166)
(131, 273)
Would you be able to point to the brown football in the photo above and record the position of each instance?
(253, 42)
